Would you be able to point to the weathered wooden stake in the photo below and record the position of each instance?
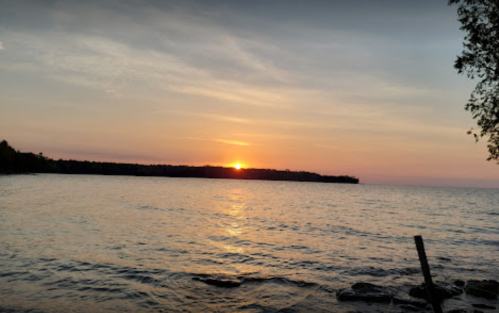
(427, 275)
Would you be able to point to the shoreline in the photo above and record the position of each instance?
(15, 162)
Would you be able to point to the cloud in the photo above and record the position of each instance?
(106, 64)
(113, 93)
(240, 51)
(224, 118)
(175, 53)
(232, 92)
(1, 46)
(178, 50)
(226, 141)
(233, 142)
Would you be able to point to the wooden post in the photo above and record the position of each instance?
(426, 273)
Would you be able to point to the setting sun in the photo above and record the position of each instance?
(237, 166)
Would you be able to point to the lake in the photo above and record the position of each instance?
(89, 243)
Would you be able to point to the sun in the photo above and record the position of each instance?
(237, 166)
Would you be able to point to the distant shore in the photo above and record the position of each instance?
(15, 162)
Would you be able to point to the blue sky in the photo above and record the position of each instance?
(360, 87)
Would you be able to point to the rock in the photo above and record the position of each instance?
(442, 291)
(327, 289)
(459, 283)
(419, 292)
(364, 292)
(483, 306)
(485, 288)
(414, 302)
(410, 271)
(408, 307)
(458, 311)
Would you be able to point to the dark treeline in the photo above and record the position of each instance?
(15, 162)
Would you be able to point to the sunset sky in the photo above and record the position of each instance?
(364, 88)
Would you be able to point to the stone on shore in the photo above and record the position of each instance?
(483, 306)
(442, 291)
(365, 292)
(485, 288)
(407, 301)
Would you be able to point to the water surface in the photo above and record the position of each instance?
(84, 243)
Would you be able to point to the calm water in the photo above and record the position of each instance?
(140, 244)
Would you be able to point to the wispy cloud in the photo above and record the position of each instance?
(239, 50)
(198, 58)
(110, 65)
(225, 118)
(113, 93)
(232, 92)
(179, 51)
(233, 142)
(289, 123)
(225, 141)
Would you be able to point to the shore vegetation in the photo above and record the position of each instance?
(16, 162)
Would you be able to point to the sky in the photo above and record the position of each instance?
(363, 88)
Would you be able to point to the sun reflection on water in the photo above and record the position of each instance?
(234, 230)
(232, 249)
(236, 211)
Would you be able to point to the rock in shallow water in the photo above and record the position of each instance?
(483, 306)
(365, 292)
(442, 291)
(413, 302)
(409, 307)
(485, 288)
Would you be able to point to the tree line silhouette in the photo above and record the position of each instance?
(16, 162)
